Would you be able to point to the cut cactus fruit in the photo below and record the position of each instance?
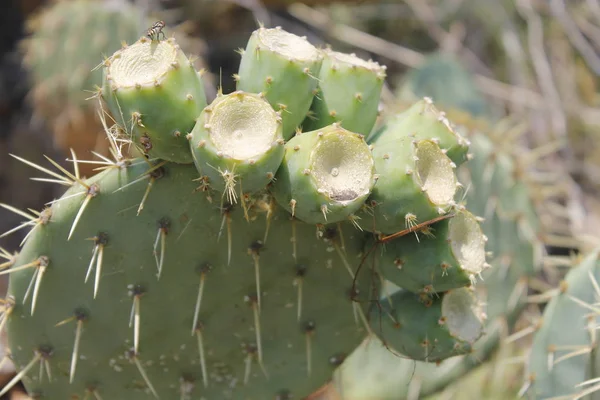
(448, 324)
(284, 67)
(155, 95)
(416, 183)
(446, 255)
(237, 144)
(349, 92)
(326, 175)
(424, 121)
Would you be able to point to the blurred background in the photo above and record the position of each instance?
(532, 65)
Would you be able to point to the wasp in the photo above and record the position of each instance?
(156, 30)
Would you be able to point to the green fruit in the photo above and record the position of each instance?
(237, 141)
(155, 94)
(448, 255)
(513, 230)
(326, 175)
(416, 183)
(432, 329)
(284, 68)
(424, 121)
(349, 93)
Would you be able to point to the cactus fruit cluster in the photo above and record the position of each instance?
(244, 255)
(496, 193)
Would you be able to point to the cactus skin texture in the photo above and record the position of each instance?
(138, 284)
(564, 353)
(238, 139)
(348, 93)
(156, 100)
(284, 67)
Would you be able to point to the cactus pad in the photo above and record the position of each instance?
(136, 284)
(155, 318)
(564, 353)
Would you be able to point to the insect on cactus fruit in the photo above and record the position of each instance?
(190, 273)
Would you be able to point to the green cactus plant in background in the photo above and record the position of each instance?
(68, 40)
(152, 280)
(564, 357)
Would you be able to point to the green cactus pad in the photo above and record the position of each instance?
(416, 183)
(326, 175)
(424, 121)
(155, 94)
(203, 330)
(284, 67)
(237, 141)
(431, 329)
(449, 255)
(349, 92)
(564, 352)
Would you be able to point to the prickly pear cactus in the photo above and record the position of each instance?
(68, 40)
(230, 261)
(564, 357)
